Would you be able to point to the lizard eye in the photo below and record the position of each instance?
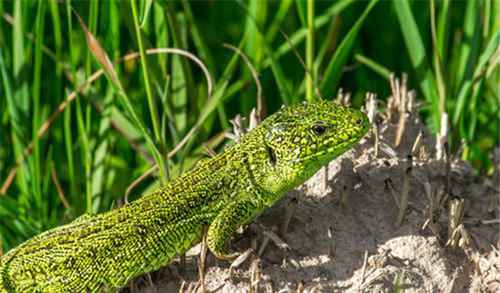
(318, 129)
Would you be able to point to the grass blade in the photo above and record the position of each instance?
(297, 37)
(37, 74)
(145, 74)
(278, 19)
(310, 74)
(437, 63)
(481, 67)
(334, 69)
(469, 48)
(20, 101)
(376, 67)
(442, 29)
(279, 76)
(416, 52)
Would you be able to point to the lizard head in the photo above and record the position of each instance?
(302, 138)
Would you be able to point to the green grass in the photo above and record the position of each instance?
(119, 126)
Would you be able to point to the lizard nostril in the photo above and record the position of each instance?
(358, 122)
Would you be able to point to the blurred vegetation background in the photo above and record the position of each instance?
(64, 154)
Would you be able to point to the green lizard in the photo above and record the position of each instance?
(219, 195)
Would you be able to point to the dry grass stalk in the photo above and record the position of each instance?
(436, 200)
(416, 144)
(150, 280)
(290, 208)
(59, 189)
(182, 258)
(324, 186)
(306, 69)
(260, 103)
(376, 134)
(375, 276)
(371, 106)
(393, 101)
(254, 119)
(371, 109)
(202, 260)
(271, 235)
(402, 109)
(300, 286)
(263, 245)
(363, 269)
(458, 237)
(388, 150)
(238, 128)
(137, 181)
(255, 276)
(449, 287)
(99, 53)
(182, 288)
(442, 137)
(343, 98)
(332, 247)
(239, 261)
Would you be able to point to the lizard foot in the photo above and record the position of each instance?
(223, 255)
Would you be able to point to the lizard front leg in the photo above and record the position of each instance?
(228, 220)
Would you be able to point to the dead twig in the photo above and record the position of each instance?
(457, 235)
(343, 98)
(307, 70)
(332, 247)
(202, 260)
(442, 137)
(255, 276)
(137, 181)
(371, 109)
(475, 222)
(403, 105)
(60, 191)
(255, 75)
(363, 269)
(239, 260)
(417, 143)
(270, 235)
(290, 208)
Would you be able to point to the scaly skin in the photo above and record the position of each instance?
(105, 251)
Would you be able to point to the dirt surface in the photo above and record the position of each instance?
(344, 236)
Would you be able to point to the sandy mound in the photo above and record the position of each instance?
(343, 235)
